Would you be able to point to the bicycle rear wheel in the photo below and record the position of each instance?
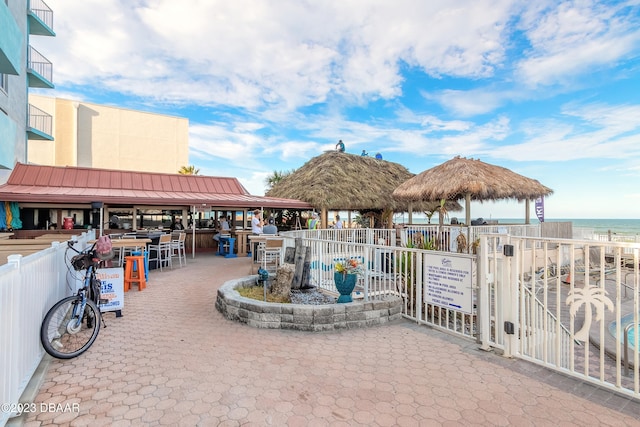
(61, 335)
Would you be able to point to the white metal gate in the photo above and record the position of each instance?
(569, 305)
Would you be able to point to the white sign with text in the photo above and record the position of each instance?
(449, 282)
(112, 280)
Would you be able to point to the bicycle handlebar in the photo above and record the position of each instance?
(70, 244)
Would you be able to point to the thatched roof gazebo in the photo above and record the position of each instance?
(469, 179)
(341, 181)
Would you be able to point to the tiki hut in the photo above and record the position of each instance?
(469, 179)
(341, 181)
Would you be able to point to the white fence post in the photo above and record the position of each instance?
(485, 280)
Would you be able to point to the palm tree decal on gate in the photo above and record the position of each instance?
(592, 295)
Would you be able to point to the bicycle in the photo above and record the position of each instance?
(72, 325)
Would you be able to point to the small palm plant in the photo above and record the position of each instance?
(188, 170)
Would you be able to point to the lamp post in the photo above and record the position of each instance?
(99, 205)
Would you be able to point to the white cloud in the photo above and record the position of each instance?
(415, 80)
(574, 38)
(469, 102)
(598, 131)
(255, 55)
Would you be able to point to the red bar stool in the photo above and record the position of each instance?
(134, 272)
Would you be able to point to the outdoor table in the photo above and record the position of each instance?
(255, 239)
(127, 243)
(153, 238)
(242, 241)
(123, 244)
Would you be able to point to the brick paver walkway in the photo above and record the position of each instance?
(172, 359)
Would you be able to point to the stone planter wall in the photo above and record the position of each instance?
(302, 317)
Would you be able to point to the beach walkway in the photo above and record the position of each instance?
(172, 359)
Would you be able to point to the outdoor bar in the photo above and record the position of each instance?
(133, 203)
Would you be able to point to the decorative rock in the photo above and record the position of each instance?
(284, 276)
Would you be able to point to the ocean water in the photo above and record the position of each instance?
(599, 226)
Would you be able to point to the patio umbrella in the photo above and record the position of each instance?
(469, 179)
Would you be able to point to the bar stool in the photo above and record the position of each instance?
(178, 248)
(146, 262)
(134, 272)
(161, 253)
(226, 248)
(223, 244)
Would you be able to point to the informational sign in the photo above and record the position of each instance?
(449, 282)
(112, 280)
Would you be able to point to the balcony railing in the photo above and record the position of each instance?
(40, 124)
(41, 18)
(41, 67)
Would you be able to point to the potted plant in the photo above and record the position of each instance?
(345, 276)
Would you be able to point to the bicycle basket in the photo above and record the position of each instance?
(81, 262)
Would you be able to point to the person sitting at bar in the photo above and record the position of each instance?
(177, 225)
(223, 228)
(270, 228)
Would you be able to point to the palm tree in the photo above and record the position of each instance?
(442, 212)
(592, 295)
(276, 177)
(188, 170)
(429, 215)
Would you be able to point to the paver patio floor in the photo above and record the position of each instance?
(172, 359)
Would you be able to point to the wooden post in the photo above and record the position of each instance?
(289, 255)
(306, 270)
(299, 262)
(324, 218)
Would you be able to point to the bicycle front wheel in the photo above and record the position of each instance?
(66, 333)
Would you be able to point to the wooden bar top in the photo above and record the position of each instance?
(55, 236)
(121, 243)
(24, 242)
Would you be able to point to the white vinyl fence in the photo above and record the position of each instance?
(437, 288)
(569, 305)
(459, 238)
(29, 286)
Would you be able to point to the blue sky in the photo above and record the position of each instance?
(548, 89)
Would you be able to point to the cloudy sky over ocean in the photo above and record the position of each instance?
(549, 89)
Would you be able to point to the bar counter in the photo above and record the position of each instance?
(204, 239)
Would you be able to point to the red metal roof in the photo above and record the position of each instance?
(60, 185)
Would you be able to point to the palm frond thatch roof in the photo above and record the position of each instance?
(459, 176)
(343, 181)
(469, 179)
